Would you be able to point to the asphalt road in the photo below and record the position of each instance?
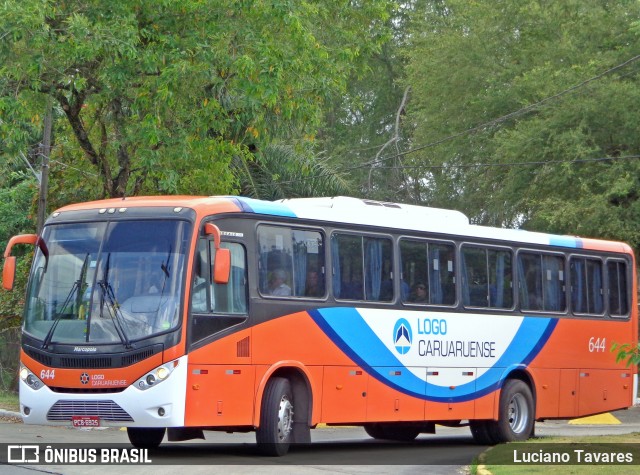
(342, 450)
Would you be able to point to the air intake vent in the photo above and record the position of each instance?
(38, 356)
(88, 362)
(243, 348)
(106, 410)
(92, 361)
(132, 358)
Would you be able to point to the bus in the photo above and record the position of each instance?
(172, 316)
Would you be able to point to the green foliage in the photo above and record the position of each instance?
(471, 63)
(160, 97)
(279, 172)
(627, 352)
(362, 120)
(18, 192)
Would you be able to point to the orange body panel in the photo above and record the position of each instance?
(344, 394)
(387, 404)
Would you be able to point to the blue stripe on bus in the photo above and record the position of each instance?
(251, 205)
(348, 330)
(565, 241)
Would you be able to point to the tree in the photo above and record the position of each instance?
(362, 121)
(507, 120)
(278, 172)
(162, 96)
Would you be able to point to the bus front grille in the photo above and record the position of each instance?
(106, 410)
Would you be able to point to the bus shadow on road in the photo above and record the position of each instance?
(422, 451)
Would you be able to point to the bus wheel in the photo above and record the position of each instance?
(481, 432)
(145, 437)
(276, 418)
(517, 413)
(399, 432)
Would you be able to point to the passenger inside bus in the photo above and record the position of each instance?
(419, 293)
(277, 284)
(313, 287)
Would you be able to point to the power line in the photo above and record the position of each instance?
(511, 115)
(85, 173)
(512, 164)
(483, 126)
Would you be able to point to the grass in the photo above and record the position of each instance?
(9, 401)
(499, 459)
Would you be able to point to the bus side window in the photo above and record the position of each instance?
(208, 297)
(430, 267)
(617, 285)
(362, 267)
(442, 281)
(530, 281)
(475, 280)
(586, 286)
(541, 282)
(291, 262)
(201, 292)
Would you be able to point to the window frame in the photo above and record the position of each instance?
(322, 253)
(486, 248)
(628, 288)
(429, 241)
(603, 276)
(363, 235)
(541, 253)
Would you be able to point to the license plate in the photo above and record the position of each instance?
(85, 421)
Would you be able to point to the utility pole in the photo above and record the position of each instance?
(46, 149)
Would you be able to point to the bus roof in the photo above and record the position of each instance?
(357, 211)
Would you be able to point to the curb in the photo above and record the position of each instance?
(4, 413)
(482, 470)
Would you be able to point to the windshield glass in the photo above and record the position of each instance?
(110, 282)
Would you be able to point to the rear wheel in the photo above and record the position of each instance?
(399, 432)
(145, 437)
(517, 413)
(276, 418)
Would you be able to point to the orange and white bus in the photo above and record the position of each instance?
(178, 315)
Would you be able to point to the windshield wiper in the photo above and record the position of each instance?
(115, 313)
(106, 291)
(77, 285)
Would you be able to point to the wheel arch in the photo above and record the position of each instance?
(521, 373)
(301, 387)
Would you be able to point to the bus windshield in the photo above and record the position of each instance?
(107, 282)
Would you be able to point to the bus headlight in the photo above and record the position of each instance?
(155, 377)
(30, 379)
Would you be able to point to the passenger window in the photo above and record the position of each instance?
(209, 297)
(486, 278)
(586, 286)
(428, 272)
(541, 282)
(362, 268)
(291, 262)
(215, 307)
(617, 284)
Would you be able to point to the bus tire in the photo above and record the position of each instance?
(398, 432)
(482, 432)
(516, 417)
(145, 437)
(276, 418)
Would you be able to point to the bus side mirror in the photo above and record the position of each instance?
(222, 266)
(9, 270)
(222, 257)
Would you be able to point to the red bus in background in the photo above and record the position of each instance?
(177, 315)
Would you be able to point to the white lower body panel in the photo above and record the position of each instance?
(129, 408)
